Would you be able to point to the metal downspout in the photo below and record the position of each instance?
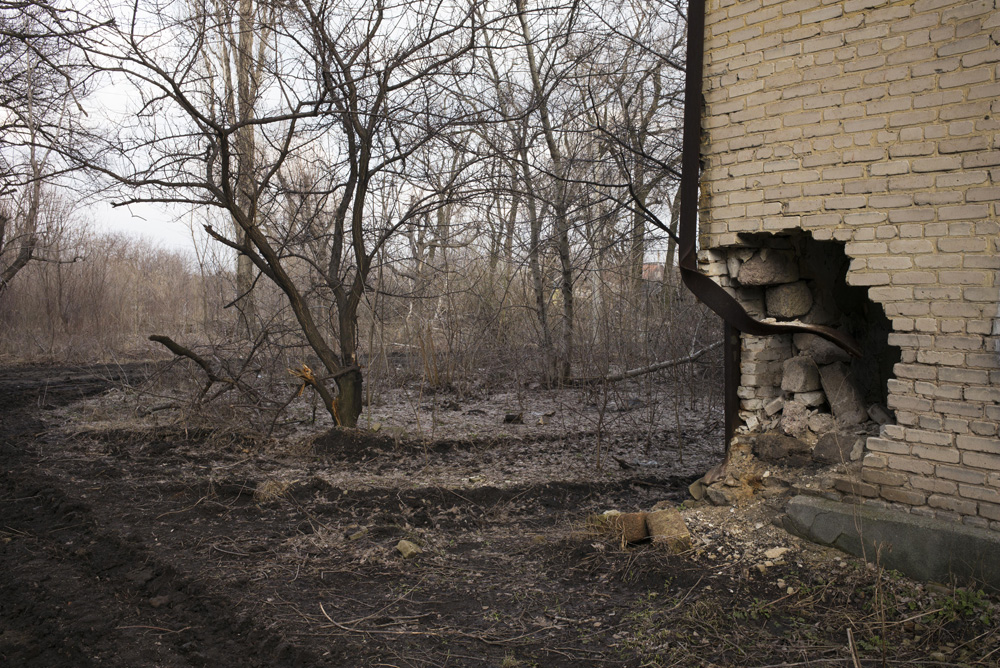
(704, 288)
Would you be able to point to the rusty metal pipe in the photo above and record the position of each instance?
(705, 289)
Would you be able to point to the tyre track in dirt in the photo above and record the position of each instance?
(158, 548)
(76, 592)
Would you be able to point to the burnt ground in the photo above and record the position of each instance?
(165, 543)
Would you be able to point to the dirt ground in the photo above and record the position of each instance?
(133, 538)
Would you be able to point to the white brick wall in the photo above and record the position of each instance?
(877, 123)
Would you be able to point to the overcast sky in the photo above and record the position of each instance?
(144, 220)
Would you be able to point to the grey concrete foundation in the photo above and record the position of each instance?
(920, 547)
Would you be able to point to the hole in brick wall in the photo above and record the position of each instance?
(802, 385)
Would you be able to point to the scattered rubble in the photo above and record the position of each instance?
(774, 467)
(408, 549)
(776, 553)
(629, 527)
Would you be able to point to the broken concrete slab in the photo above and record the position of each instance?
(844, 398)
(920, 547)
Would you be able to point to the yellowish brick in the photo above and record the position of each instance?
(878, 125)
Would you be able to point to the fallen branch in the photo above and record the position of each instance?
(181, 351)
(213, 377)
(633, 373)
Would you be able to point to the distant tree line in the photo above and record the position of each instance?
(473, 184)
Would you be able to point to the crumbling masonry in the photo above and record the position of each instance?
(852, 178)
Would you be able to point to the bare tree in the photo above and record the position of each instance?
(353, 93)
(560, 164)
(37, 95)
(579, 97)
(631, 90)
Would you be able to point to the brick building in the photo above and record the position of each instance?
(851, 157)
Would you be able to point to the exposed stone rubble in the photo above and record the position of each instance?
(802, 386)
(800, 374)
(845, 400)
(776, 467)
(791, 300)
(408, 549)
(766, 267)
(819, 349)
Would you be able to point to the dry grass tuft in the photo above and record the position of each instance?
(269, 491)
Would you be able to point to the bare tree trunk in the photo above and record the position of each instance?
(242, 60)
(26, 232)
(566, 263)
(246, 148)
(637, 240)
(537, 276)
(564, 361)
(668, 263)
(348, 404)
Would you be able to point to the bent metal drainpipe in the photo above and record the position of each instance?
(704, 288)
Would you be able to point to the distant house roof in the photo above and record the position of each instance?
(652, 271)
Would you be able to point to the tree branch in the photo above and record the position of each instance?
(633, 373)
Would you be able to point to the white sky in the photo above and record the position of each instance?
(148, 221)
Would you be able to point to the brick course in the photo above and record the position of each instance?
(876, 123)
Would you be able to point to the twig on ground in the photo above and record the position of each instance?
(853, 649)
(235, 554)
(154, 628)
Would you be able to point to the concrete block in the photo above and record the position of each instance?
(838, 447)
(920, 547)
